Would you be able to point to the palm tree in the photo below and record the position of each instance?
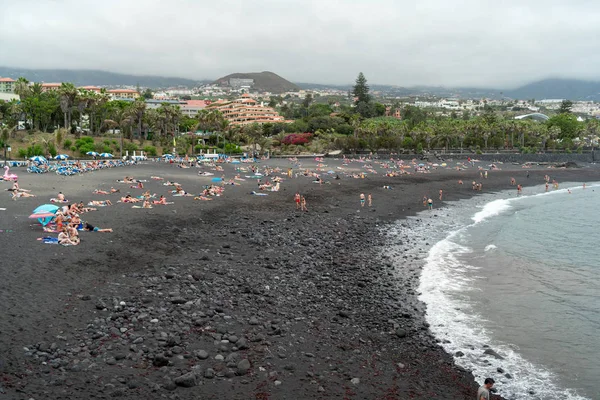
(253, 134)
(68, 94)
(138, 108)
(120, 117)
(22, 88)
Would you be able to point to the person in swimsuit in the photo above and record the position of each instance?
(370, 199)
(362, 199)
(90, 228)
(297, 200)
(430, 203)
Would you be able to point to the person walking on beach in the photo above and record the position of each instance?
(362, 199)
(485, 174)
(441, 193)
(424, 201)
(303, 204)
(430, 204)
(297, 200)
(547, 186)
(483, 393)
(519, 189)
(513, 182)
(370, 199)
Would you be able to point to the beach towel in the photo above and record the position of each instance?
(140, 207)
(49, 240)
(259, 194)
(55, 200)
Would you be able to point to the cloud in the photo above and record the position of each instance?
(431, 42)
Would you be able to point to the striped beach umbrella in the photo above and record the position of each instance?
(106, 155)
(61, 157)
(38, 159)
(92, 153)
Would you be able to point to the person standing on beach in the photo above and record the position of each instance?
(297, 200)
(547, 186)
(303, 204)
(474, 185)
(513, 182)
(424, 201)
(430, 204)
(441, 193)
(519, 189)
(483, 393)
(485, 174)
(370, 199)
(362, 199)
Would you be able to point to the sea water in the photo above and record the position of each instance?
(520, 274)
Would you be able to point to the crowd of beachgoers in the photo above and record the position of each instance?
(66, 219)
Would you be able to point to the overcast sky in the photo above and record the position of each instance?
(482, 43)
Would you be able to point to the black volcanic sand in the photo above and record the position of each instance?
(242, 297)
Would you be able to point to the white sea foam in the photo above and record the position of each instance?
(490, 247)
(491, 209)
(444, 288)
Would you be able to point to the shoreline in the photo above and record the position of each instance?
(315, 306)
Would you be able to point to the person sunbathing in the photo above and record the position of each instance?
(201, 197)
(146, 204)
(139, 185)
(113, 190)
(157, 178)
(129, 199)
(98, 191)
(90, 228)
(16, 195)
(100, 203)
(60, 197)
(162, 200)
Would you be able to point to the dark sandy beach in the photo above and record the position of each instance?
(241, 297)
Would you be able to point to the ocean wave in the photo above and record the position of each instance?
(453, 319)
(490, 247)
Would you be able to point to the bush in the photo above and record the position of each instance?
(150, 151)
(73, 148)
(84, 140)
(52, 149)
(107, 142)
(67, 144)
(297, 138)
(231, 148)
(420, 148)
(22, 153)
(130, 147)
(35, 150)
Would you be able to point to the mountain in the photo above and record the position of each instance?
(571, 89)
(98, 78)
(263, 81)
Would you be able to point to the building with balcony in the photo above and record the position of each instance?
(91, 88)
(46, 87)
(116, 94)
(245, 111)
(7, 85)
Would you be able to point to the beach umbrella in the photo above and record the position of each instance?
(61, 157)
(168, 156)
(46, 208)
(106, 155)
(44, 213)
(92, 153)
(38, 159)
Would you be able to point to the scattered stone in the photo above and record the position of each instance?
(201, 354)
(187, 380)
(243, 366)
(355, 381)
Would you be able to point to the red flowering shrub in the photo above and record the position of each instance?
(297, 138)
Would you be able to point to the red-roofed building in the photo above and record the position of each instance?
(245, 111)
(191, 107)
(91, 88)
(123, 94)
(46, 87)
(7, 85)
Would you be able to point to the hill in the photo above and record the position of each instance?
(263, 81)
(571, 89)
(94, 77)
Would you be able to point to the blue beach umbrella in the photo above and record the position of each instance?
(168, 156)
(92, 153)
(61, 157)
(46, 208)
(106, 155)
(38, 159)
